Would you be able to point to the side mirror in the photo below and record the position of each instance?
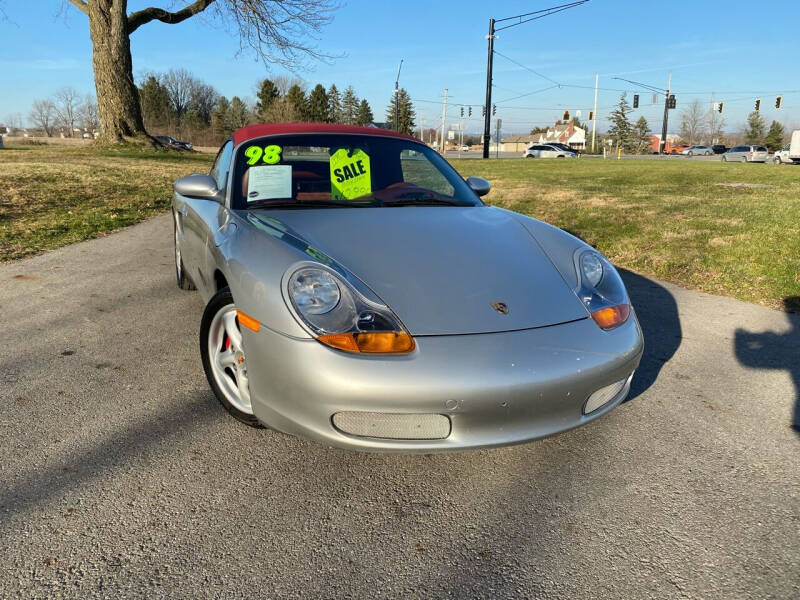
(197, 186)
(479, 185)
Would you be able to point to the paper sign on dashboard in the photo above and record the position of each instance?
(269, 182)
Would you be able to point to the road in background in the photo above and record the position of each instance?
(121, 476)
(713, 157)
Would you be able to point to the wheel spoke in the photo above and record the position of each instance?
(240, 372)
(226, 359)
(232, 329)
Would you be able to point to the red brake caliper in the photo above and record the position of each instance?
(227, 343)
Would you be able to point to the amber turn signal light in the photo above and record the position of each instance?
(247, 321)
(612, 316)
(381, 342)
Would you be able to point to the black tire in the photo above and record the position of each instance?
(724, 158)
(220, 300)
(184, 281)
(690, 153)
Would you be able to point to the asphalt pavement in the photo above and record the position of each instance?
(121, 477)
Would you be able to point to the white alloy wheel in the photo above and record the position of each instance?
(226, 359)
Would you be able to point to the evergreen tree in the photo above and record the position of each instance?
(267, 95)
(220, 117)
(775, 136)
(334, 104)
(754, 131)
(296, 98)
(364, 115)
(350, 106)
(154, 99)
(318, 105)
(640, 138)
(620, 130)
(401, 101)
(238, 115)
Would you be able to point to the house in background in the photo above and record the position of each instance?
(514, 143)
(564, 133)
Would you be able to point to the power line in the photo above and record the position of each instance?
(551, 80)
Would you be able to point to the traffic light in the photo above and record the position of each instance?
(719, 107)
(636, 101)
(671, 103)
(462, 112)
(494, 109)
(778, 101)
(758, 104)
(566, 116)
(469, 111)
(483, 110)
(591, 115)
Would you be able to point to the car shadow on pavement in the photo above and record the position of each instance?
(657, 312)
(134, 444)
(772, 350)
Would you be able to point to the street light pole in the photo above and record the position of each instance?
(520, 19)
(487, 123)
(396, 92)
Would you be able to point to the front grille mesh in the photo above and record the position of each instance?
(393, 426)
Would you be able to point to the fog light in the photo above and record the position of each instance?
(605, 395)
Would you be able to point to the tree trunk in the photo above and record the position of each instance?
(117, 97)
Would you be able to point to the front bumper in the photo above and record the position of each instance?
(496, 389)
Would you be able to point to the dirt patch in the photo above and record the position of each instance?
(741, 186)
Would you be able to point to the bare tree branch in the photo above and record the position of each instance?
(144, 16)
(80, 5)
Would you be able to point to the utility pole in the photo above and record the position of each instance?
(594, 113)
(444, 120)
(487, 123)
(666, 117)
(396, 92)
(497, 138)
(520, 19)
(711, 133)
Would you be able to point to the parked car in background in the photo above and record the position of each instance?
(464, 149)
(697, 150)
(746, 154)
(678, 148)
(547, 151)
(781, 156)
(564, 147)
(719, 148)
(171, 142)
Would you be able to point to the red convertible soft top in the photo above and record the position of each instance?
(254, 131)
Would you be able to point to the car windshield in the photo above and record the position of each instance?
(343, 170)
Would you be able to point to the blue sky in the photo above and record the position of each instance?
(738, 49)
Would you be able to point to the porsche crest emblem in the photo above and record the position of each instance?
(500, 307)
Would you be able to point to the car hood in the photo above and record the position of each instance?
(440, 269)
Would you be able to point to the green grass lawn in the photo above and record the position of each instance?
(731, 229)
(56, 195)
(724, 228)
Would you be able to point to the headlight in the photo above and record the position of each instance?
(340, 316)
(314, 292)
(591, 268)
(601, 290)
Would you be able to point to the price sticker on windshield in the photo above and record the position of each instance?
(350, 174)
(270, 155)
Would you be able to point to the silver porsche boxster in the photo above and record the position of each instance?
(359, 293)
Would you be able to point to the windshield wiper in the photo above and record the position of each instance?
(308, 204)
(422, 201)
